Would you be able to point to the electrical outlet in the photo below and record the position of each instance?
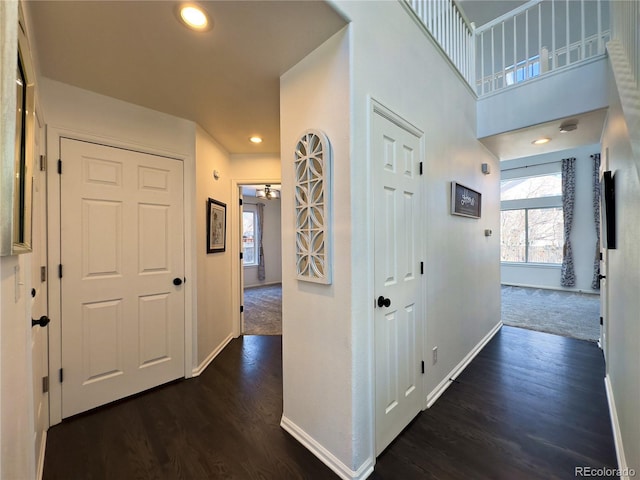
(435, 355)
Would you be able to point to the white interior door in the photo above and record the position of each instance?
(39, 304)
(122, 253)
(398, 313)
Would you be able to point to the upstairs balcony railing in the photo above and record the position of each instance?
(539, 37)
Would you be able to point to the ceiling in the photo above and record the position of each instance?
(483, 11)
(227, 80)
(518, 143)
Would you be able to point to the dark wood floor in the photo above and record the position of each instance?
(530, 406)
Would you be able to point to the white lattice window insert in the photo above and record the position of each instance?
(313, 195)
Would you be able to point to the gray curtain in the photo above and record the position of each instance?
(595, 283)
(260, 212)
(568, 276)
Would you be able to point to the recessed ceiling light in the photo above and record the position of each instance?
(194, 17)
(541, 141)
(255, 139)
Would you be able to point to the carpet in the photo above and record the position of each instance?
(569, 314)
(263, 310)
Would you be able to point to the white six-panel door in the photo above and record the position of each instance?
(122, 246)
(398, 326)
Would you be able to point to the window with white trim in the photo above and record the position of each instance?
(531, 219)
(249, 246)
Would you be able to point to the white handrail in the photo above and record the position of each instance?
(451, 30)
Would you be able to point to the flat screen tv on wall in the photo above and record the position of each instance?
(609, 210)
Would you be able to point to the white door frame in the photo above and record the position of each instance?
(54, 134)
(236, 241)
(377, 108)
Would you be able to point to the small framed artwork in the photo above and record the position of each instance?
(216, 226)
(465, 201)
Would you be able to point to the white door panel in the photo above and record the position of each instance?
(122, 246)
(398, 326)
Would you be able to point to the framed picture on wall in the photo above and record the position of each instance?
(216, 226)
(465, 201)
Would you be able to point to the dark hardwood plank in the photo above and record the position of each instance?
(530, 406)
(224, 424)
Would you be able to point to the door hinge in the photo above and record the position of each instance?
(241, 255)
(45, 384)
(600, 256)
(420, 168)
(61, 375)
(43, 163)
(422, 366)
(60, 271)
(601, 321)
(59, 167)
(43, 274)
(240, 202)
(241, 308)
(421, 268)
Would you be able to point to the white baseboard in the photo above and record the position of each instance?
(40, 459)
(444, 384)
(617, 435)
(325, 455)
(202, 367)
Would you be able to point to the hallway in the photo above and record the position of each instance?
(530, 406)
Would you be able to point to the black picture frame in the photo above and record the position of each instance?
(216, 226)
(465, 201)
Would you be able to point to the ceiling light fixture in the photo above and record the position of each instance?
(267, 192)
(541, 141)
(255, 139)
(194, 17)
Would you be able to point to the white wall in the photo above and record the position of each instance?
(623, 280)
(583, 235)
(316, 321)
(16, 407)
(215, 326)
(560, 94)
(328, 331)
(271, 243)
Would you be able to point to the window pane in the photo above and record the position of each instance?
(248, 238)
(531, 187)
(512, 236)
(546, 235)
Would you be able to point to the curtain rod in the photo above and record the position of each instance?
(527, 166)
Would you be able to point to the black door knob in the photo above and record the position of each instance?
(43, 321)
(601, 277)
(383, 302)
(177, 281)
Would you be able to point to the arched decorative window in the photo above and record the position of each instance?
(312, 203)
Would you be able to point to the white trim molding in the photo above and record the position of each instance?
(458, 369)
(325, 456)
(623, 468)
(205, 363)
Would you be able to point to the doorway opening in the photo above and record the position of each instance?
(261, 259)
